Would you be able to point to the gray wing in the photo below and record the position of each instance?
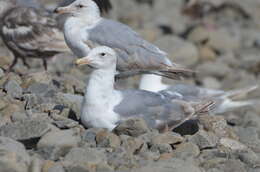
(133, 51)
(190, 92)
(154, 108)
(31, 32)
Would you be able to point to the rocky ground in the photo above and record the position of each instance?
(39, 110)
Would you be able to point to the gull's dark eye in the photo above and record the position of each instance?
(103, 54)
(80, 6)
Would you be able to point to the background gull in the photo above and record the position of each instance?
(105, 107)
(86, 29)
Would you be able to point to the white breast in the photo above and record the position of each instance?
(101, 114)
(75, 36)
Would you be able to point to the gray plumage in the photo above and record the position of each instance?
(31, 33)
(157, 110)
(135, 53)
(224, 100)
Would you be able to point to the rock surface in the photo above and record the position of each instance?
(40, 128)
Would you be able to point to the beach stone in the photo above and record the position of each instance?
(14, 157)
(167, 138)
(89, 136)
(107, 139)
(212, 83)
(217, 125)
(19, 116)
(121, 159)
(71, 101)
(175, 165)
(52, 148)
(179, 50)
(56, 168)
(36, 77)
(131, 144)
(13, 89)
(88, 156)
(186, 151)
(161, 148)
(224, 165)
(132, 127)
(25, 131)
(204, 139)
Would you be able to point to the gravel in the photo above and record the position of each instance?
(40, 128)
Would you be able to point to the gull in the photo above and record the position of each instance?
(224, 100)
(29, 32)
(85, 29)
(105, 107)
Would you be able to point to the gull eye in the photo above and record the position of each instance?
(80, 6)
(103, 54)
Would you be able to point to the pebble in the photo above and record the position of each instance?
(52, 148)
(132, 127)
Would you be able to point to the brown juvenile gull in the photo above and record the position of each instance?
(86, 29)
(105, 107)
(29, 32)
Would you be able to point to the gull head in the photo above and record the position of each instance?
(99, 58)
(5, 5)
(80, 9)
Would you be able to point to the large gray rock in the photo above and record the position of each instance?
(58, 143)
(14, 157)
(132, 127)
(25, 130)
(204, 139)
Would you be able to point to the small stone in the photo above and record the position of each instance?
(14, 157)
(107, 139)
(186, 150)
(56, 168)
(57, 143)
(38, 88)
(217, 125)
(89, 136)
(207, 53)
(131, 144)
(19, 116)
(232, 144)
(86, 155)
(167, 138)
(13, 89)
(36, 77)
(161, 148)
(132, 127)
(204, 139)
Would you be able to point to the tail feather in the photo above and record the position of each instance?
(228, 105)
(239, 93)
(200, 108)
(175, 72)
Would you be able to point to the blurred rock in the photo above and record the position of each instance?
(14, 157)
(204, 139)
(13, 89)
(179, 51)
(107, 139)
(57, 143)
(132, 127)
(25, 131)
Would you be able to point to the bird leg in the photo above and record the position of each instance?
(44, 64)
(25, 63)
(12, 65)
